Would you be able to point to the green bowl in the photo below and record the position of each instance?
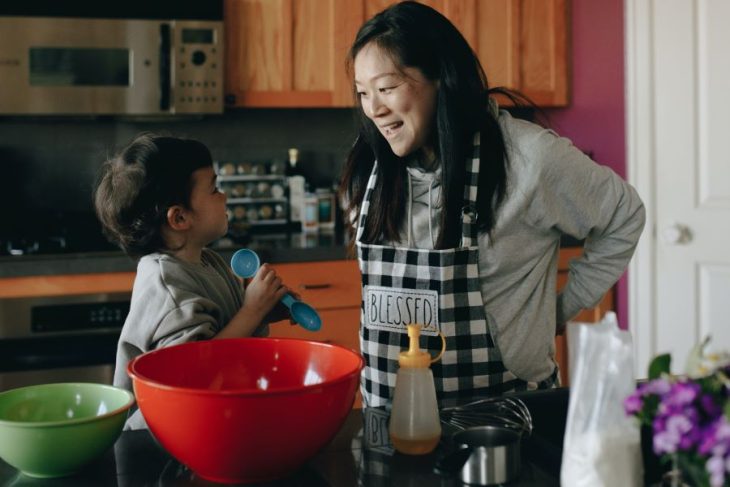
(53, 430)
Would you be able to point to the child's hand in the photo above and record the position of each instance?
(280, 312)
(263, 292)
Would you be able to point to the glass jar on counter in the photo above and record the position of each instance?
(310, 215)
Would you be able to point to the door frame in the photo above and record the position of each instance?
(641, 172)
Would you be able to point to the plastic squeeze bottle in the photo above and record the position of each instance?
(415, 427)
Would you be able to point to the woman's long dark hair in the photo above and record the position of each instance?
(417, 36)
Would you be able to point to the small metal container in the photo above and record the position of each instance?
(484, 455)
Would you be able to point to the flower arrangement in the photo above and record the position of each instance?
(689, 415)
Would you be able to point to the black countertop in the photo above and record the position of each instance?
(277, 248)
(360, 455)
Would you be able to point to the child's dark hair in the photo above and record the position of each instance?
(135, 189)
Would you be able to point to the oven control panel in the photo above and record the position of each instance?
(79, 316)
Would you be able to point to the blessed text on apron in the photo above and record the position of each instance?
(391, 309)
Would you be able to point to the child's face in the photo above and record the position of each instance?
(207, 207)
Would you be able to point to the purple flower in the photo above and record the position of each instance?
(658, 387)
(716, 467)
(723, 429)
(687, 418)
(665, 442)
(690, 439)
(709, 405)
(717, 443)
(682, 394)
(708, 440)
(633, 403)
(715, 438)
(668, 437)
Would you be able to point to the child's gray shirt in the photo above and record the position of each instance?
(176, 302)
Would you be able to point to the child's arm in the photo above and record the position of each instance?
(262, 294)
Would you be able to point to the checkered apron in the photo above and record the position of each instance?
(440, 290)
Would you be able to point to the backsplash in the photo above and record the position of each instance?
(49, 164)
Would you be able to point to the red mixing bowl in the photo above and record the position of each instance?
(246, 409)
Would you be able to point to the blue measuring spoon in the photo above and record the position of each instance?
(245, 263)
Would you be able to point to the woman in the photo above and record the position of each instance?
(460, 209)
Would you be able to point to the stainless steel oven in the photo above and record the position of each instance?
(52, 65)
(60, 339)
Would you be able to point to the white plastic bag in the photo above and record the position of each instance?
(602, 446)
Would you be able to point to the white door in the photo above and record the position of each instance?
(678, 107)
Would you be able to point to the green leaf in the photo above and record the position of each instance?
(660, 365)
(693, 469)
(726, 410)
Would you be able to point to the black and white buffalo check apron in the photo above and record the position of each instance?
(440, 290)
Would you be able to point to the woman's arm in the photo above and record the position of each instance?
(590, 202)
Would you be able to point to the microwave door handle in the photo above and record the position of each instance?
(165, 53)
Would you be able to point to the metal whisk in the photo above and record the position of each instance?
(507, 412)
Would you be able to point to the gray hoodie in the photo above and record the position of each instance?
(553, 189)
(176, 302)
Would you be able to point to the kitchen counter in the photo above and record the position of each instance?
(360, 455)
(275, 248)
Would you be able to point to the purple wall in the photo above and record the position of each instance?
(595, 120)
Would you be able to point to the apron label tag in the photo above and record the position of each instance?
(391, 309)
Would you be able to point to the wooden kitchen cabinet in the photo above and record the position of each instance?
(522, 44)
(592, 315)
(65, 285)
(527, 49)
(288, 53)
(291, 53)
(333, 289)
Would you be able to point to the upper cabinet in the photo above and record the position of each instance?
(288, 53)
(291, 53)
(522, 44)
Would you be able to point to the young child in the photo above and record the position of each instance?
(158, 200)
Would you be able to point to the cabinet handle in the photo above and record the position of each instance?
(315, 286)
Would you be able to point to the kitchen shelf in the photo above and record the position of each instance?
(257, 198)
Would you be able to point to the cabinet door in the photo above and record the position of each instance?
(288, 53)
(324, 284)
(291, 53)
(522, 44)
(333, 289)
(543, 52)
(339, 327)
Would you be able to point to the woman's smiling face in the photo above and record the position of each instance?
(401, 102)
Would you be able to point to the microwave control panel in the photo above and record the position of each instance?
(197, 57)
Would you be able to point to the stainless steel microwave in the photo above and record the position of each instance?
(110, 66)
